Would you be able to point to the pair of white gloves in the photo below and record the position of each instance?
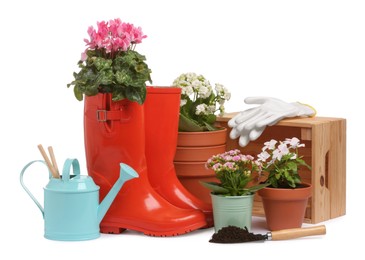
(248, 125)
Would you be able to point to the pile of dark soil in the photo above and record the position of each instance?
(233, 234)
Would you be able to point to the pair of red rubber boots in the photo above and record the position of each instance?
(144, 137)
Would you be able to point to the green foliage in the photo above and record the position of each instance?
(284, 174)
(219, 189)
(124, 75)
(282, 162)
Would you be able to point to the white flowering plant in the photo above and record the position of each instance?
(199, 102)
(234, 171)
(281, 161)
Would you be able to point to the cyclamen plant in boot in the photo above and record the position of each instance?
(234, 171)
(110, 63)
(199, 102)
(282, 161)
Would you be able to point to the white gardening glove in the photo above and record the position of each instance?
(249, 124)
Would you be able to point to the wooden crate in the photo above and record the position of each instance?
(325, 151)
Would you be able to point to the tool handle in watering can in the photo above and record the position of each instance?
(67, 166)
(298, 232)
(26, 189)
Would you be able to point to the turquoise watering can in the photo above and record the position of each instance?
(71, 204)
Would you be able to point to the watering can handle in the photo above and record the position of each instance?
(67, 166)
(26, 189)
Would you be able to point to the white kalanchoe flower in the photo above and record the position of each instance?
(188, 90)
(203, 92)
(227, 95)
(201, 109)
(183, 102)
(196, 84)
(219, 88)
(211, 109)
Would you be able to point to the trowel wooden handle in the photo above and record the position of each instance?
(298, 232)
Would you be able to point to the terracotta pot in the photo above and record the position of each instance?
(197, 154)
(192, 152)
(191, 174)
(206, 138)
(285, 208)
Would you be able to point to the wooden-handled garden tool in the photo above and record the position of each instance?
(295, 233)
(52, 165)
(232, 234)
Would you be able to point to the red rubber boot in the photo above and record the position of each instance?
(114, 133)
(162, 108)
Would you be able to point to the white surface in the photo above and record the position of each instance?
(308, 51)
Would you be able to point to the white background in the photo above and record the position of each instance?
(309, 51)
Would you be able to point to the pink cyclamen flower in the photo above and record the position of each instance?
(114, 36)
(114, 27)
(138, 36)
(83, 56)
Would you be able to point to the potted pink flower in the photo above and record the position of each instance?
(110, 63)
(232, 196)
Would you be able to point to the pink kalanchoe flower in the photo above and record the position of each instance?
(236, 158)
(250, 157)
(216, 166)
(227, 158)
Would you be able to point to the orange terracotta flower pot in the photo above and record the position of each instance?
(197, 154)
(192, 152)
(285, 208)
(191, 174)
(207, 138)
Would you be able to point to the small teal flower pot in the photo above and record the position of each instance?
(232, 211)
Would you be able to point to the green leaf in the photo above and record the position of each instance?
(258, 187)
(210, 119)
(215, 187)
(122, 77)
(137, 95)
(210, 127)
(188, 125)
(78, 94)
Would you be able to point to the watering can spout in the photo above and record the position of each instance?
(126, 173)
